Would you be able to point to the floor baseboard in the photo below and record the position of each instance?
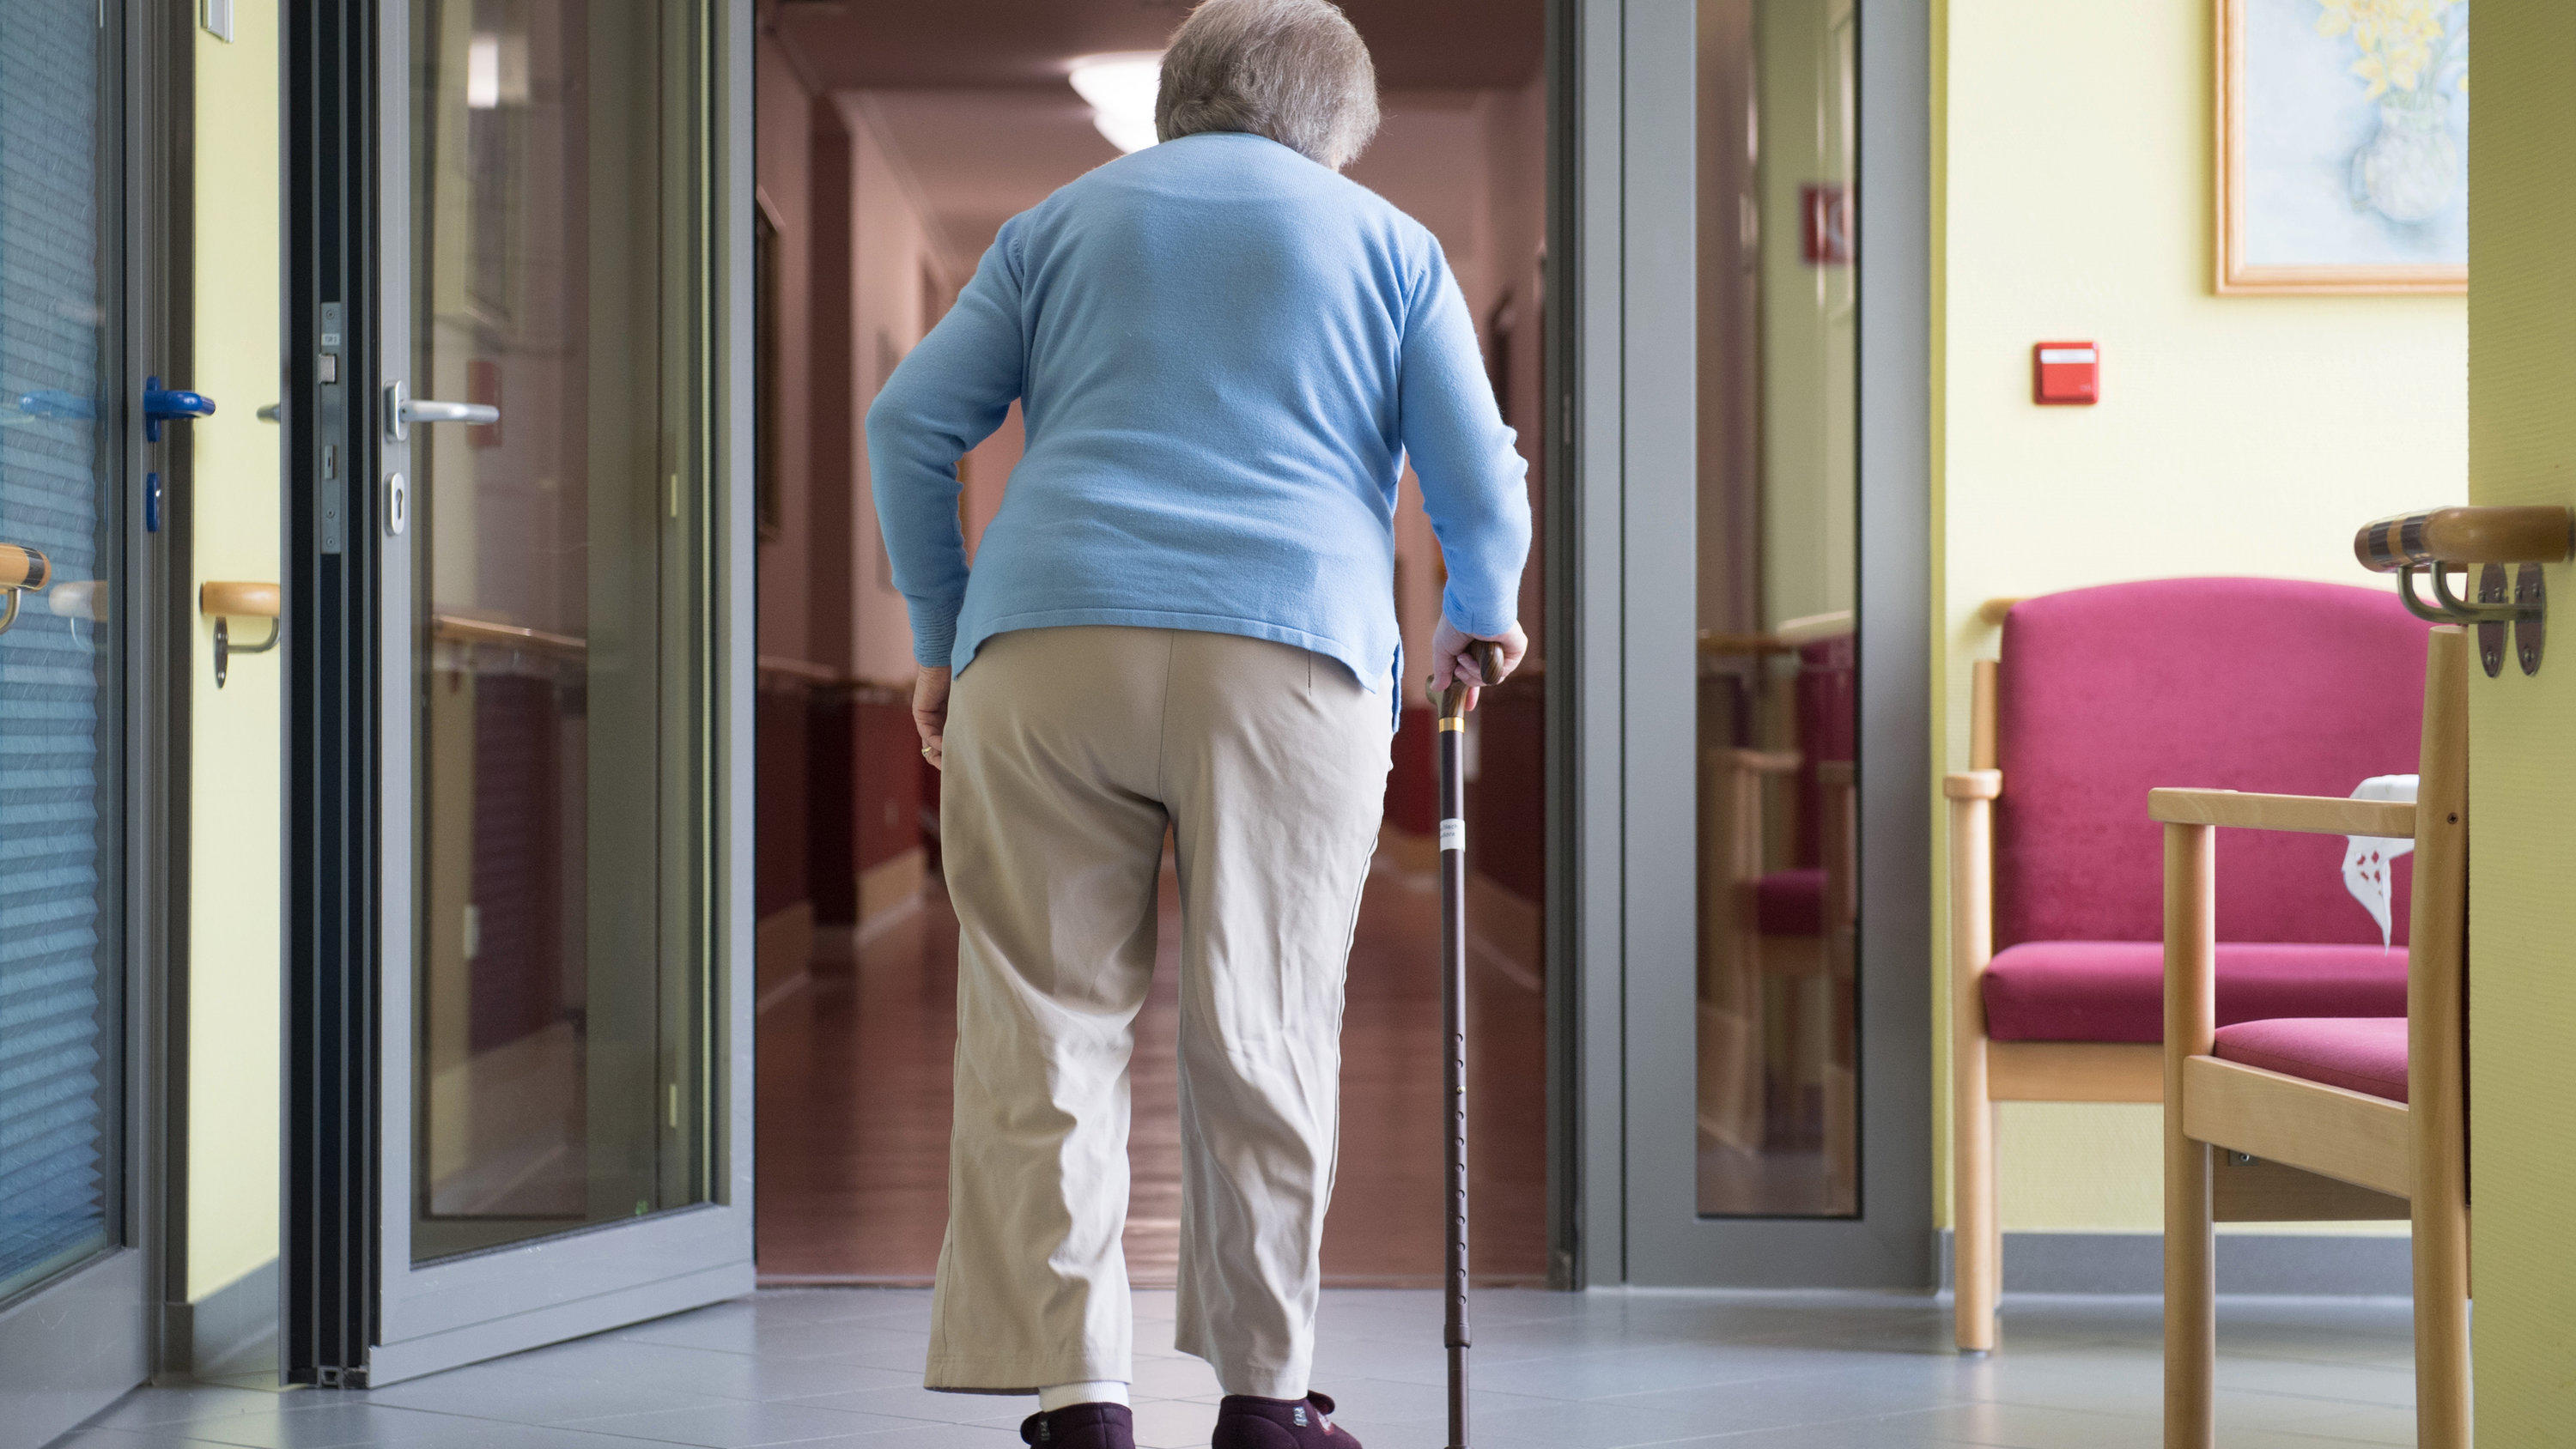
(230, 1331)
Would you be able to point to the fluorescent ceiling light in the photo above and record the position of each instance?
(1120, 91)
(483, 73)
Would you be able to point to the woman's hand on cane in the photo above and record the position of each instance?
(930, 712)
(1450, 657)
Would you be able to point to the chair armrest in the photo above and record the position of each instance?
(1972, 795)
(1815, 628)
(1973, 784)
(1767, 762)
(2310, 814)
(1726, 645)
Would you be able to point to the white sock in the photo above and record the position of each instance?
(1089, 1391)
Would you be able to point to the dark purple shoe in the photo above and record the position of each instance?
(1244, 1422)
(1082, 1426)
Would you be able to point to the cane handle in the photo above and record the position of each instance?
(1453, 700)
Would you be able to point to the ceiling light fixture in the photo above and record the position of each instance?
(1120, 91)
(483, 73)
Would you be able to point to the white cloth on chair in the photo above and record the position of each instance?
(2368, 858)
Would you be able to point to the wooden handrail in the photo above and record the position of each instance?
(2310, 814)
(460, 629)
(78, 599)
(238, 600)
(1724, 643)
(1788, 638)
(778, 666)
(22, 567)
(2542, 534)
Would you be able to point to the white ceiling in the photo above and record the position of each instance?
(847, 45)
(976, 158)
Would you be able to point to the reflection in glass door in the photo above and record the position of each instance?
(1778, 1050)
(1766, 384)
(73, 1221)
(62, 958)
(562, 542)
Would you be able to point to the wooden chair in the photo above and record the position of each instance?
(2101, 695)
(2324, 1118)
(1790, 929)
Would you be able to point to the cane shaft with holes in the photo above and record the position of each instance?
(1452, 737)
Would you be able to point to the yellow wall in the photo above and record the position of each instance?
(234, 879)
(2522, 748)
(2237, 435)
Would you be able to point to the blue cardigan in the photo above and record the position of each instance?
(1224, 353)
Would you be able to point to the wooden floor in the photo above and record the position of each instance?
(854, 1106)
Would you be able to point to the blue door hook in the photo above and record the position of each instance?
(164, 404)
(53, 402)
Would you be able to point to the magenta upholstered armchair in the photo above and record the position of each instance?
(1781, 930)
(2333, 1117)
(2057, 914)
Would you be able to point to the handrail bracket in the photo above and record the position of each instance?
(2436, 541)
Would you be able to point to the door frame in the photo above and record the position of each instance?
(358, 1311)
(1630, 837)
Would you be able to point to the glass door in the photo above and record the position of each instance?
(72, 1286)
(565, 1032)
(1777, 1091)
(1778, 1028)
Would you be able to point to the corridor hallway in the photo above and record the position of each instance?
(854, 1106)
(894, 142)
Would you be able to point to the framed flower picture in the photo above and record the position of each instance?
(2342, 131)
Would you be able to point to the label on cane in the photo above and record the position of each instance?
(1453, 834)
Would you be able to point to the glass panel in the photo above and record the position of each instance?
(60, 776)
(1778, 1032)
(560, 195)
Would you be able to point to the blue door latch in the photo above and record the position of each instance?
(166, 404)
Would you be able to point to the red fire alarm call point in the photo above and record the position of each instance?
(2065, 372)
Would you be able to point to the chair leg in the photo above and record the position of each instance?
(2191, 1291)
(2441, 1323)
(1975, 1237)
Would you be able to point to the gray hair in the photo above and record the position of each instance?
(1292, 70)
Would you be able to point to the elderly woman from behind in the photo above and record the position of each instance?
(1182, 617)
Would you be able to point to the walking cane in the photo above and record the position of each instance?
(1453, 1015)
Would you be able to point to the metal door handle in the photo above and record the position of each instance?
(423, 410)
(402, 410)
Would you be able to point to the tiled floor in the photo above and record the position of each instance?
(838, 1367)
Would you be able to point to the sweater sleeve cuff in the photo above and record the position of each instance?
(934, 642)
(1483, 620)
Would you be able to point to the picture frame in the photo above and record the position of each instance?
(2340, 148)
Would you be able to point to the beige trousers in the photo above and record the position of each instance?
(1068, 751)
